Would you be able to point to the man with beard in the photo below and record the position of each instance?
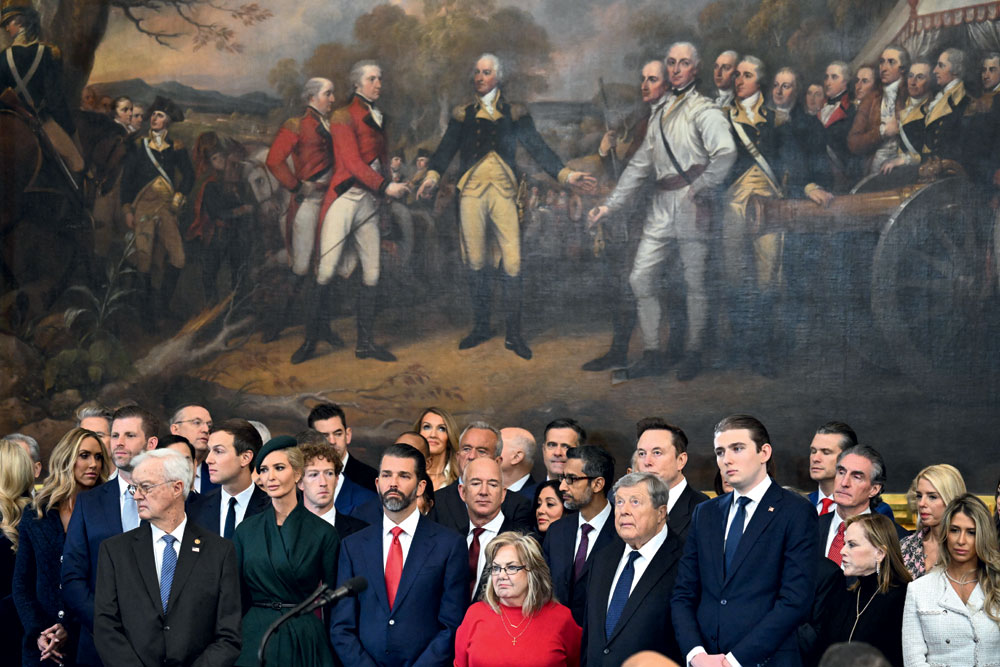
(588, 525)
(417, 572)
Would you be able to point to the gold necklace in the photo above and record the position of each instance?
(504, 622)
(858, 613)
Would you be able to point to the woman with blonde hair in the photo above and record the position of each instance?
(952, 614)
(932, 489)
(518, 622)
(79, 462)
(16, 477)
(872, 609)
(441, 432)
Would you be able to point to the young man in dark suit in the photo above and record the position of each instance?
(232, 448)
(319, 479)
(417, 572)
(630, 579)
(748, 575)
(99, 514)
(168, 592)
(330, 420)
(572, 541)
(661, 449)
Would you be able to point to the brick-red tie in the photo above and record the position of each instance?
(393, 566)
(837, 544)
(474, 560)
(827, 504)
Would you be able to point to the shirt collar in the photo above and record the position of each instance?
(331, 516)
(649, 549)
(242, 498)
(750, 102)
(756, 494)
(820, 495)
(409, 524)
(599, 520)
(519, 483)
(490, 98)
(122, 485)
(893, 87)
(951, 84)
(21, 40)
(676, 490)
(493, 525)
(177, 532)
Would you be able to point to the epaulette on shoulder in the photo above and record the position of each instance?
(56, 53)
(458, 112)
(342, 116)
(292, 125)
(518, 111)
(178, 145)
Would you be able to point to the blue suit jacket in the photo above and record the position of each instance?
(430, 602)
(96, 517)
(351, 496)
(881, 508)
(754, 609)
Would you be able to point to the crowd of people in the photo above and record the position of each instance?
(213, 542)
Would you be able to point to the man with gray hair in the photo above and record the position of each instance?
(168, 592)
(306, 140)
(723, 74)
(630, 579)
(687, 152)
(30, 446)
(874, 134)
(944, 121)
(517, 458)
(486, 133)
(96, 418)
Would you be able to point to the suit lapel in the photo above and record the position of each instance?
(111, 509)
(665, 557)
(679, 519)
(604, 575)
(374, 567)
(420, 548)
(186, 560)
(717, 535)
(762, 517)
(142, 551)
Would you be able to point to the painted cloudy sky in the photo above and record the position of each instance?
(588, 36)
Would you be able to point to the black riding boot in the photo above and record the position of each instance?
(313, 305)
(622, 323)
(366, 348)
(480, 289)
(513, 292)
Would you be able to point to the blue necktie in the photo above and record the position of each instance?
(130, 513)
(736, 530)
(620, 596)
(167, 569)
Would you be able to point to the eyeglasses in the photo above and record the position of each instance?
(144, 489)
(572, 479)
(510, 570)
(197, 423)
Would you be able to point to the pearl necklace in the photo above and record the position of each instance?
(961, 582)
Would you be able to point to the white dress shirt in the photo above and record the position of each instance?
(819, 500)
(490, 530)
(331, 518)
(488, 100)
(597, 522)
(748, 105)
(519, 484)
(723, 98)
(646, 553)
(177, 532)
(340, 483)
(675, 493)
(242, 501)
(409, 526)
(835, 525)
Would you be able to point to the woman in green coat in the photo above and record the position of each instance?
(284, 552)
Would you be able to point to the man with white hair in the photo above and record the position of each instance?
(723, 74)
(168, 592)
(517, 458)
(688, 151)
(30, 446)
(306, 140)
(945, 113)
(486, 133)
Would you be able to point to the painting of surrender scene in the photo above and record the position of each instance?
(516, 210)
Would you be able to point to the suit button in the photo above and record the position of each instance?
(607, 651)
(722, 602)
(392, 621)
(166, 628)
(947, 641)
(61, 614)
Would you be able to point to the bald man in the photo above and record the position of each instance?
(517, 459)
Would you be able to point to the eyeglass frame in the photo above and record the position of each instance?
(197, 421)
(571, 479)
(495, 569)
(132, 488)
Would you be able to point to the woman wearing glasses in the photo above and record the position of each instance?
(519, 623)
(284, 552)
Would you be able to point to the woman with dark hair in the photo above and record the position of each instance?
(441, 432)
(872, 610)
(548, 505)
(284, 553)
(79, 462)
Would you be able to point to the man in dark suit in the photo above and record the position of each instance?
(330, 420)
(417, 572)
(194, 422)
(479, 439)
(861, 477)
(572, 541)
(748, 575)
(661, 448)
(319, 479)
(232, 448)
(630, 580)
(168, 592)
(828, 443)
(100, 514)
(517, 459)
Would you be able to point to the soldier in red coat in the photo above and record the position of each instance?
(349, 233)
(306, 140)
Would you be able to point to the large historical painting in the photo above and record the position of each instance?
(122, 282)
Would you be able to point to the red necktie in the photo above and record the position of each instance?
(837, 544)
(393, 566)
(474, 560)
(827, 503)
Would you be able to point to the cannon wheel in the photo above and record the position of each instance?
(929, 283)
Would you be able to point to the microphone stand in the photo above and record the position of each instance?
(293, 612)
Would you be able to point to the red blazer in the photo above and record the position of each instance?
(357, 142)
(308, 142)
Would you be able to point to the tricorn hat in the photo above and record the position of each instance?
(11, 8)
(167, 106)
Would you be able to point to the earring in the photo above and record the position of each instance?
(877, 568)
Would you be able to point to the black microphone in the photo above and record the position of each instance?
(350, 588)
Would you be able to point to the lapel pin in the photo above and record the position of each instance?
(770, 508)
(197, 540)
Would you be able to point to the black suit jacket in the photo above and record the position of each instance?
(204, 510)
(679, 519)
(202, 623)
(360, 473)
(347, 524)
(507, 524)
(823, 530)
(560, 554)
(207, 485)
(645, 621)
(450, 510)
